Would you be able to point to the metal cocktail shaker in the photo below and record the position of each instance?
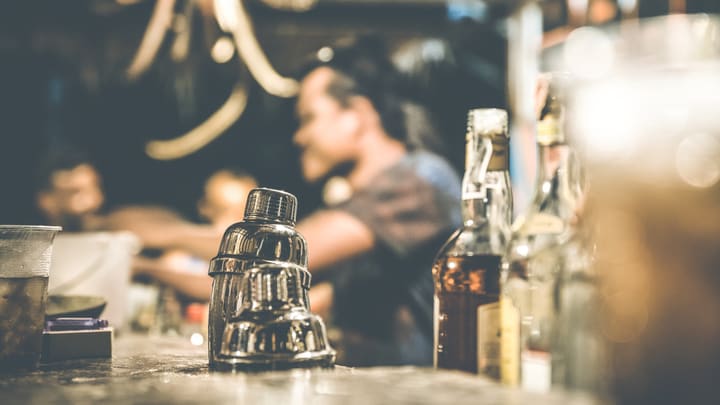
(266, 236)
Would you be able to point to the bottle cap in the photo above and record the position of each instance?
(271, 205)
(488, 122)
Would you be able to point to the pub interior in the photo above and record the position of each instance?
(359, 201)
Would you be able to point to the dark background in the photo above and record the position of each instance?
(62, 83)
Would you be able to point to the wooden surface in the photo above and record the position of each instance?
(170, 370)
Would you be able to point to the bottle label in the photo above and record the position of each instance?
(500, 159)
(488, 339)
(536, 371)
(539, 224)
(550, 132)
(509, 341)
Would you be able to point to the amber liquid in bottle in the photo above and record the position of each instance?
(466, 270)
(466, 287)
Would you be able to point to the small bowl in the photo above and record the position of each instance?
(74, 306)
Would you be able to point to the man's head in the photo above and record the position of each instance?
(346, 95)
(69, 190)
(225, 196)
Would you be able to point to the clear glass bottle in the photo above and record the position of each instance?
(534, 257)
(466, 270)
(579, 351)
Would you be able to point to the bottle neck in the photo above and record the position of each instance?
(487, 195)
(557, 187)
(495, 206)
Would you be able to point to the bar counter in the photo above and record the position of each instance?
(161, 369)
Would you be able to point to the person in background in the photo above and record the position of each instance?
(222, 204)
(373, 250)
(224, 197)
(69, 191)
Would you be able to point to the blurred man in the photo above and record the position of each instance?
(378, 245)
(70, 192)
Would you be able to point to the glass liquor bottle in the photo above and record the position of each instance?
(534, 257)
(579, 350)
(466, 271)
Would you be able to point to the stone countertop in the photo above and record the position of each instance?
(170, 370)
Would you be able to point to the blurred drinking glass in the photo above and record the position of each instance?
(25, 256)
(646, 121)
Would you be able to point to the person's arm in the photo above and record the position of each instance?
(332, 236)
(321, 299)
(194, 285)
(199, 240)
(162, 229)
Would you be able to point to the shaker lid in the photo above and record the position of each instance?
(271, 205)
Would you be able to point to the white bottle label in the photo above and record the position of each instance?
(509, 342)
(536, 371)
(488, 339)
(539, 224)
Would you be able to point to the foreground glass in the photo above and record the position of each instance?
(25, 255)
(646, 120)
